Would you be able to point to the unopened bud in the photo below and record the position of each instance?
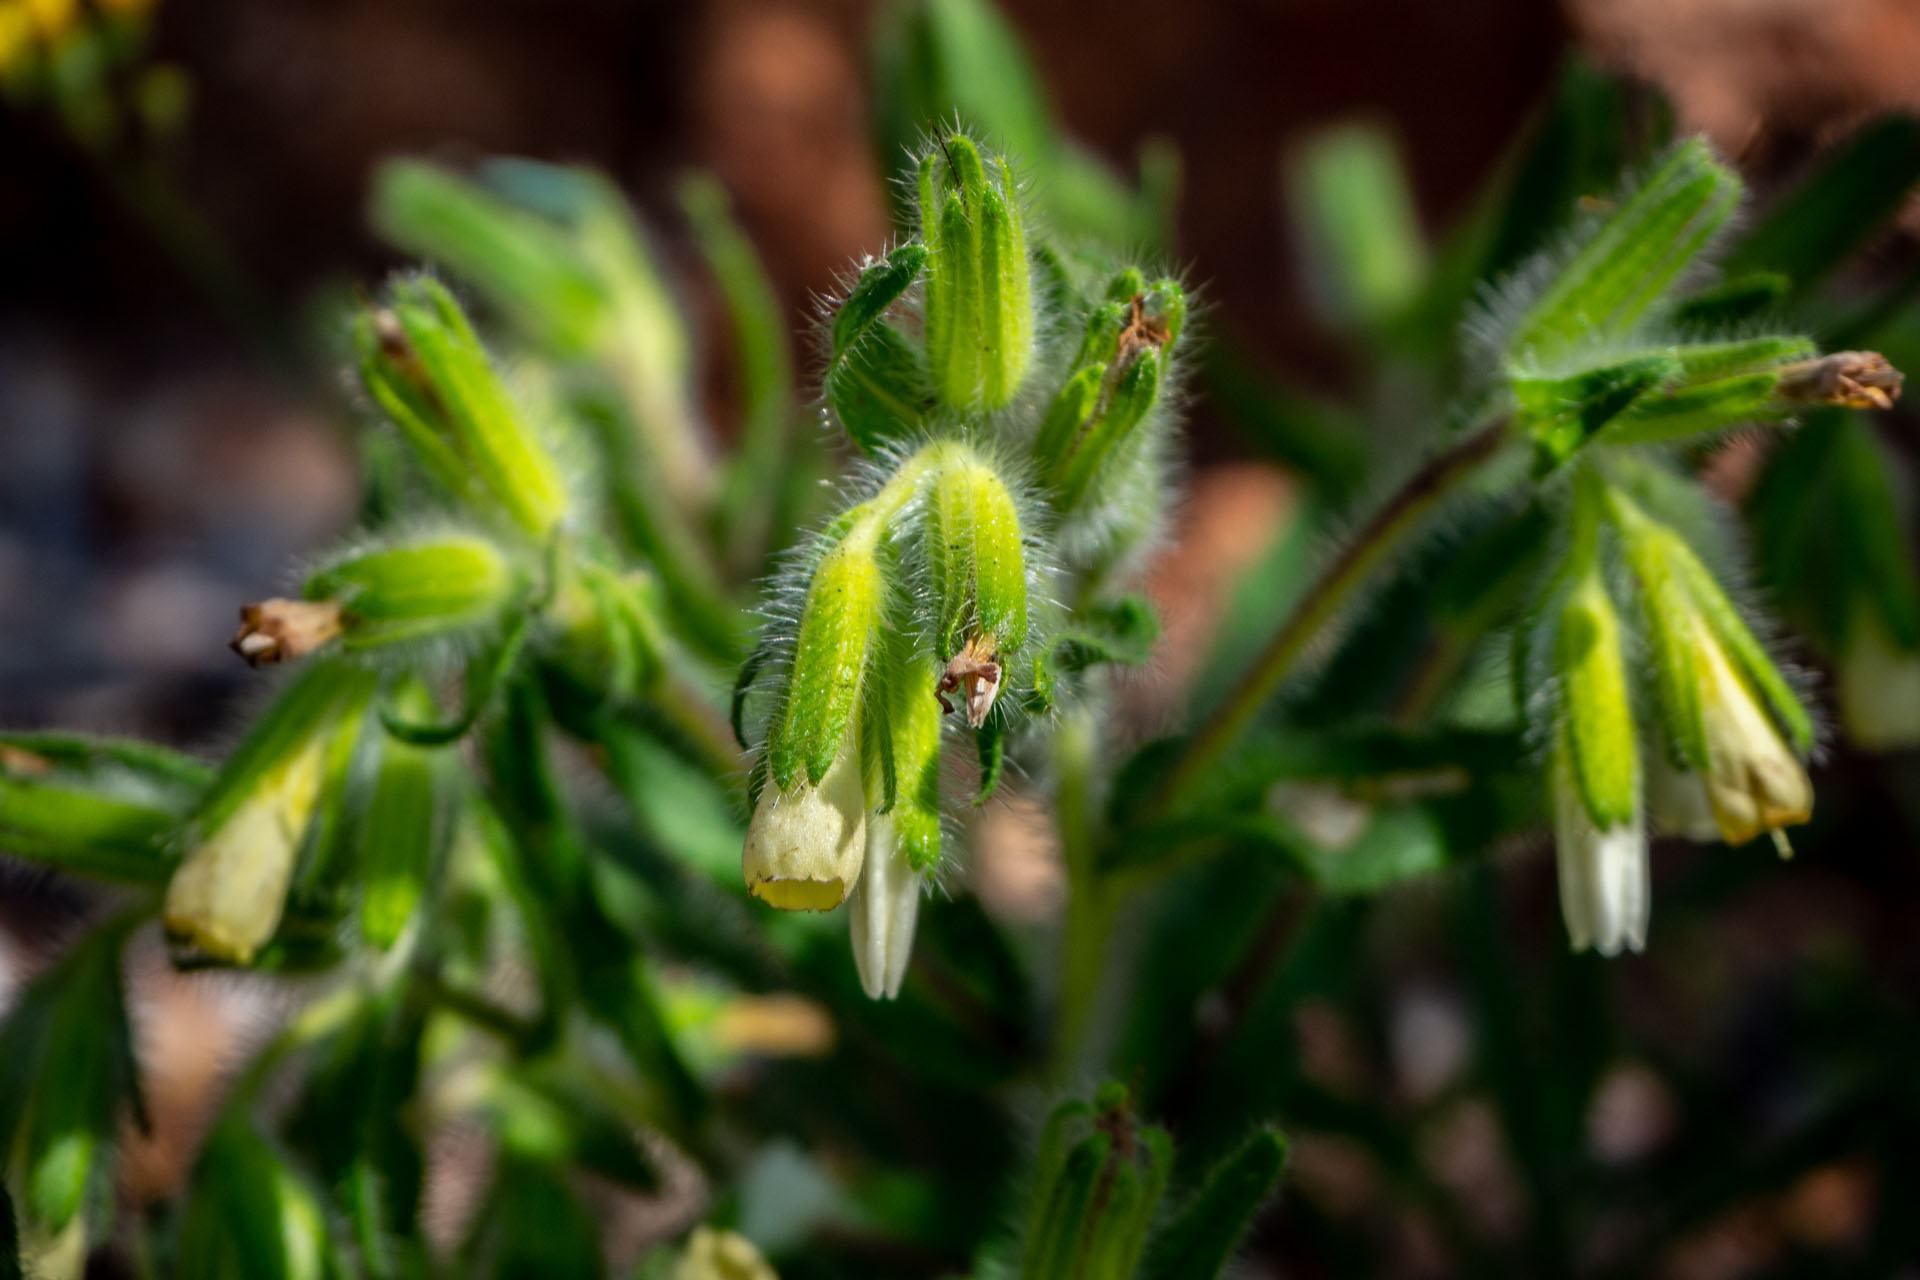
(837, 626)
(421, 360)
(979, 294)
(977, 563)
(276, 630)
(415, 589)
(1853, 379)
(1122, 366)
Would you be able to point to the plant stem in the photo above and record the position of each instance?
(1333, 590)
(1090, 898)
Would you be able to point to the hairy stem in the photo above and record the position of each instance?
(1332, 591)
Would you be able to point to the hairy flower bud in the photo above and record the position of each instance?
(837, 625)
(415, 589)
(1600, 843)
(423, 363)
(979, 294)
(806, 842)
(1731, 719)
(977, 564)
(1116, 382)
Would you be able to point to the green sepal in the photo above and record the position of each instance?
(1055, 1250)
(979, 303)
(96, 806)
(1698, 410)
(976, 559)
(416, 589)
(1597, 711)
(1073, 407)
(1562, 413)
(1624, 266)
(880, 286)
(837, 625)
(880, 390)
(991, 742)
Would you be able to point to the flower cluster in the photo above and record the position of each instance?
(1013, 401)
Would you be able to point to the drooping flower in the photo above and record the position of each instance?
(806, 843)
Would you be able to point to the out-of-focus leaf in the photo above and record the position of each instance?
(1358, 231)
(1810, 232)
(1198, 1243)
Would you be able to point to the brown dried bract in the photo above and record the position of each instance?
(1140, 332)
(276, 630)
(1854, 379)
(976, 674)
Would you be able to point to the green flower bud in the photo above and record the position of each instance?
(1731, 719)
(1121, 368)
(413, 590)
(1600, 842)
(806, 842)
(1627, 262)
(422, 362)
(977, 568)
(837, 624)
(1098, 1178)
(901, 746)
(979, 295)
(227, 895)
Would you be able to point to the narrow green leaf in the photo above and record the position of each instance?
(1197, 1245)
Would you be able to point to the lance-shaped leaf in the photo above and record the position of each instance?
(67, 1078)
(1358, 232)
(1861, 183)
(96, 806)
(1624, 265)
(1198, 1243)
(877, 382)
(406, 825)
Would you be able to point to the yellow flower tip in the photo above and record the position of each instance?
(805, 845)
(226, 898)
(799, 895)
(1755, 783)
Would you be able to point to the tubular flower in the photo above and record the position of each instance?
(1600, 837)
(884, 907)
(1754, 782)
(1605, 897)
(1734, 726)
(806, 843)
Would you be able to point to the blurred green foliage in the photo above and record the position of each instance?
(487, 842)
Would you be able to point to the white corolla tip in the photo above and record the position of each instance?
(882, 913)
